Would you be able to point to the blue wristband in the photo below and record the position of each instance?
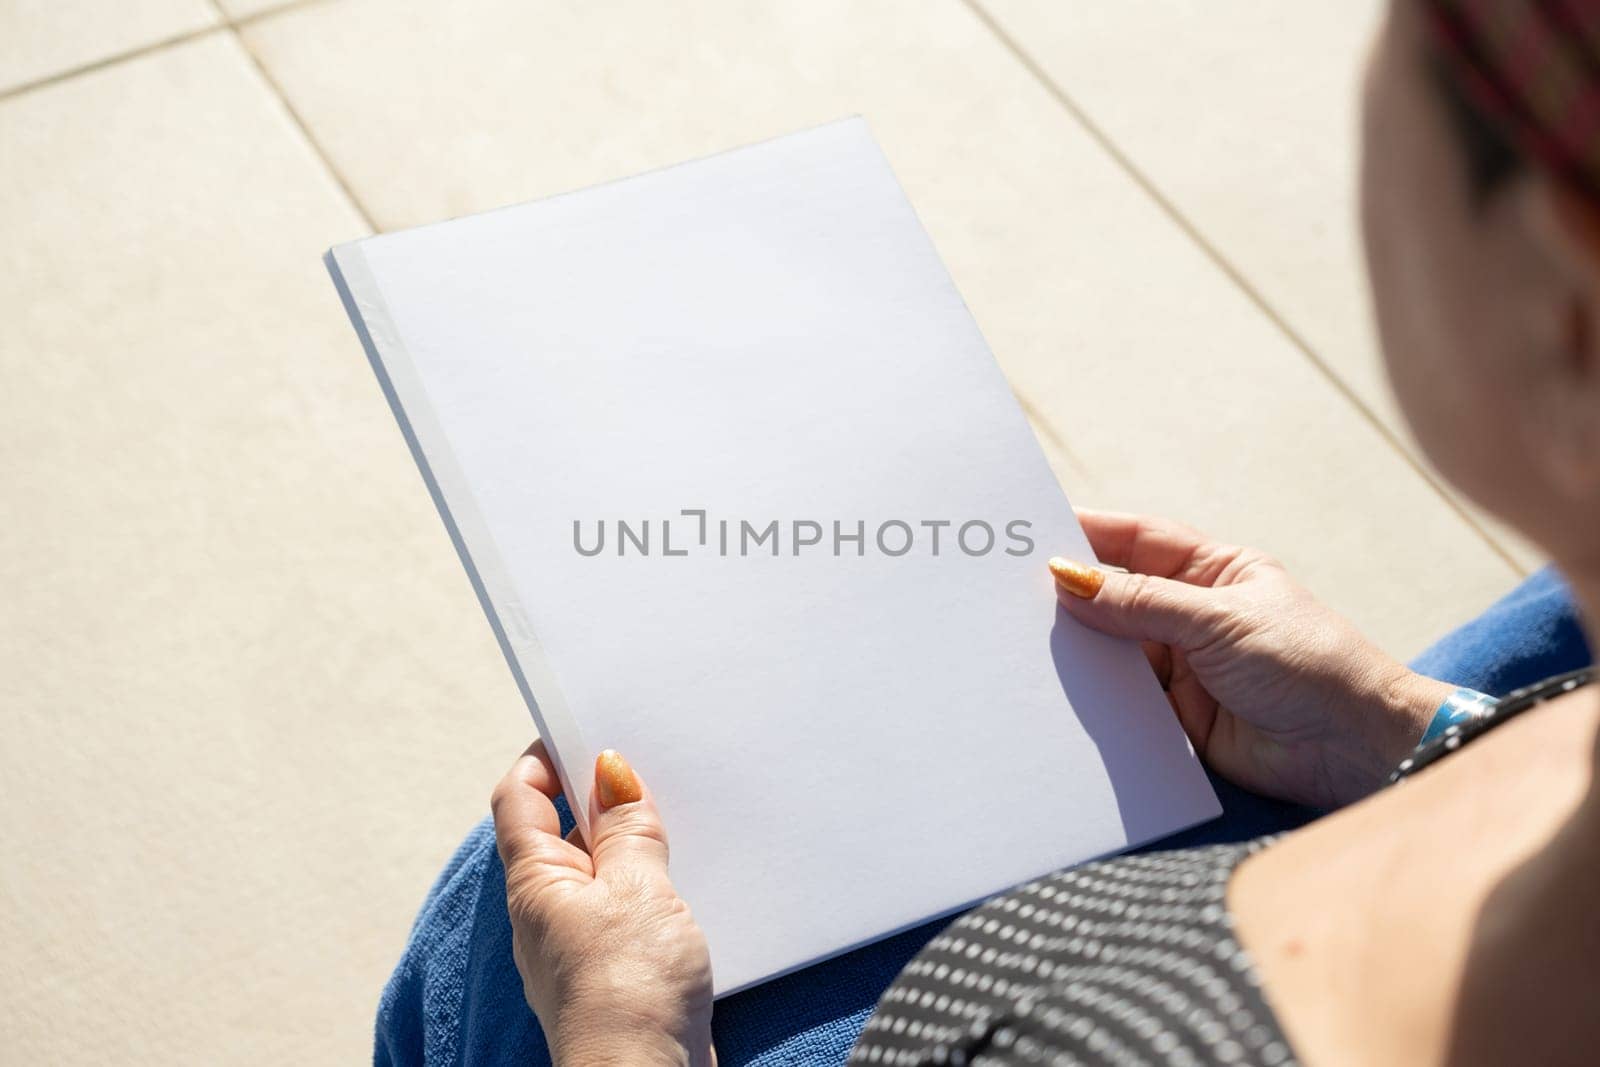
(1460, 706)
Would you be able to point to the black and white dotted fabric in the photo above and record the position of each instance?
(1129, 960)
(1125, 961)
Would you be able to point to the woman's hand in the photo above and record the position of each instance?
(1277, 693)
(611, 960)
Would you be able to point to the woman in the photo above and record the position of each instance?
(1450, 919)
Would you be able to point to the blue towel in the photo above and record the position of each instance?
(1531, 633)
(455, 997)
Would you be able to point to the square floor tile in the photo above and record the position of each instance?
(251, 700)
(41, 38)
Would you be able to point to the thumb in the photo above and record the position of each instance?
(1141, 607)
(624, 825)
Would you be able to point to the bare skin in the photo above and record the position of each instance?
(1364, 925)
(1452, 920)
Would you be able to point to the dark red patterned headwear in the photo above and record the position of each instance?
(1533, 66)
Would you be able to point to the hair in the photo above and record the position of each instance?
(1492, 160)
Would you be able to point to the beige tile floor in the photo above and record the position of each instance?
(251, 702)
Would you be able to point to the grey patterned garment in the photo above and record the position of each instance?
(1130, 960)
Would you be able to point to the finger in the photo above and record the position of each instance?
(525, 795)
(1160, 657)
(525, 817)
(1138, 606)
(1150, 545)
(535, 861)
(1196, 707)
(625, 828)
(1231, 749)
(1196, 724)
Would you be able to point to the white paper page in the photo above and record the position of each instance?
(842, 746)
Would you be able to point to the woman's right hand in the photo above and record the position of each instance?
(1278, 693)
(611, 960)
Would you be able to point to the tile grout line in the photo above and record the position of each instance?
(233, 26)
(109, 61)
(1254, 295)
(224, 24)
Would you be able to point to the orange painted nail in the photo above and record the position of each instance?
(1077, 579)
(615, 783)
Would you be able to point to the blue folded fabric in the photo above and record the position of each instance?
(455, 997)
(1531, 633)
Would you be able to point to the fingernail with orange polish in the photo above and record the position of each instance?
(614, 781)
(1075, 578)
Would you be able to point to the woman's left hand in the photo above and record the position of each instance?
(1277, 692)
(611, 960)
